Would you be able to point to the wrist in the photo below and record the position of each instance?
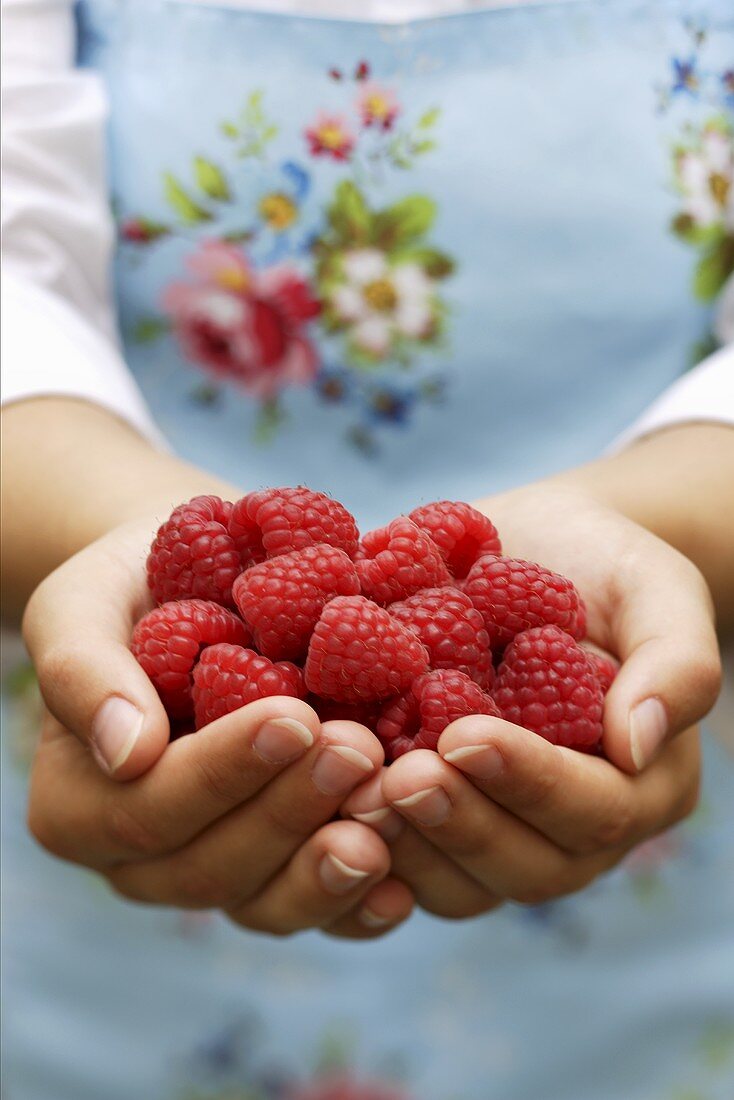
(71, 473)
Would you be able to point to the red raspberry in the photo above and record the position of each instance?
(358, 653)
(461, 533)
(281, 599)
(396, 561)
(278, 521)
(451, 629)
(330, 710)
(167, 643)
(228, 677)
(514, 595)
(417, 719)
(604, 669)
(193, 555)
(546, 683)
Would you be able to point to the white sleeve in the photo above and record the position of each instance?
(59, 329)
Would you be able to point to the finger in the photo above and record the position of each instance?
(325, 880)
(368, 805)
(503, 854)
(77, 628)
(233, 859)
(663, 631)
(382, 909)
(439, 885)
(199, 778)
(582, 803)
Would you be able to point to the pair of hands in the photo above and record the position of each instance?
(241, 816)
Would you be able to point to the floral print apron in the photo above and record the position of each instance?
(399, 263)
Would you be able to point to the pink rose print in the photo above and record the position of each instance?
(378, 106)
(244, 324)
(330, 136)
(346, 1088)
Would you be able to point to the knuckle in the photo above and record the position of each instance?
(541, 788)
(557, 886)
(127, 887)
(44, 831)
(284, 820)
(451, 907)
(59, 666)
(688, 804)
(615, 828)
(197, 888)
(706, 673)
(219, 780)
(261, 922)
(126, 832)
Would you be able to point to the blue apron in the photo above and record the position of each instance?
(400, 263)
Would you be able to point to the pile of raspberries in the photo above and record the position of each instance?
(405, 630)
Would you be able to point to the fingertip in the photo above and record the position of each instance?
(412, 772)
(388, 903)
(356, 847)
(352, 735)
(475, 730)
(125, 739)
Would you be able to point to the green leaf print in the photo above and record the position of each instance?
(187, 209)
(148, 329)
(349, 215)
(436, 264)
(713, 269)
(211, 180)
(404, 222)
(429, 119)
(684, 227)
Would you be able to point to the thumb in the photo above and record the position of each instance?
(77, 628)
(663, 631)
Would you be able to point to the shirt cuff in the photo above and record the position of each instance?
(49, 350)
(704, 394)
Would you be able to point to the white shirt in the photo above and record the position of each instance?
(59, 326)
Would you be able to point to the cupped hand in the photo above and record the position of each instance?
(237, 816)
(499, 813)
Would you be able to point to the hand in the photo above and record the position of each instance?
(502, 814)
(236, 816)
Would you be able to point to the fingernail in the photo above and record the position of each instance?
(371, 919)
(481, 761)
(338, 768)
(338, 877)
(429, 807)
(384, 821)
(648, 727)
(115, 729)
(279, 739)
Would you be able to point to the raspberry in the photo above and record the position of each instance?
(278, 521)
(281, 599)
(228, 677)
(546, 683)
(192, 555)
(604, 669)
(167, 643)
(358, 652)
(514, 595)
(451, 629)
(330, 710)
(461, 533)
(396, 561)
(417, 719)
